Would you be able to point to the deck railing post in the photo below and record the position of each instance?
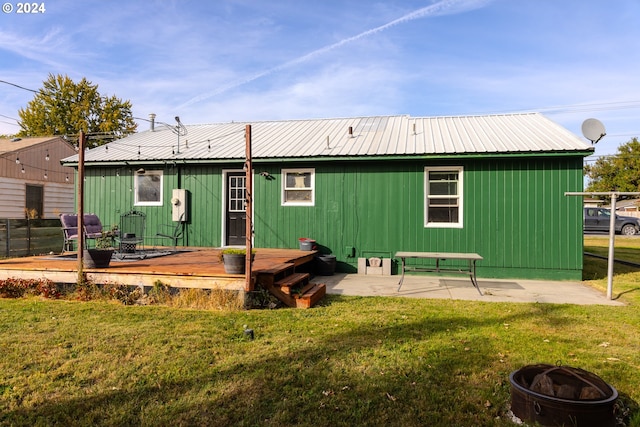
(248, 209)
(80, 183)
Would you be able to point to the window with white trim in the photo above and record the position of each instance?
(148, 188)
(443, 197)
(298, 187)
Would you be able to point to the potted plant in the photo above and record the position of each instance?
(234, 260)
(100, 256)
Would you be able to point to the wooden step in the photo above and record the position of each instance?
(287, 299)
(304, 290)
(312, 296)
(270, 276)
(287, 284)
(277, 268)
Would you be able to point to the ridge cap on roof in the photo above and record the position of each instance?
(456, 116)
(373, 116)
(249, 122)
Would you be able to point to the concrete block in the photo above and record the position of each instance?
(362, 266)
(377, 271)
(386, 266)
(366, 266)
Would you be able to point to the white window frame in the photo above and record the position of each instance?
(460, 171)
(136, 177)
(311, 188)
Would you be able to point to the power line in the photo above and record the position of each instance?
(7, 117)
(558, 109)
(586, 107)
(18, 86)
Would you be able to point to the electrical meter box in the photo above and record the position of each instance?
(179, 205)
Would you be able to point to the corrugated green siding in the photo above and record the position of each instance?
(515, 212)
(109, 192)
(525, 221)
(205, 218)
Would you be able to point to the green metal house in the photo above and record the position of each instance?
(360, 187)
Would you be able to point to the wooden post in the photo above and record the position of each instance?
(248, 209)
(80, 202)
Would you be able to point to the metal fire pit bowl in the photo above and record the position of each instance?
(596, 410)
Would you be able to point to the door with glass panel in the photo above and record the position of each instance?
(236, 214)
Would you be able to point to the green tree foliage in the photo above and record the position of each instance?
(616, 173)
(63, 107)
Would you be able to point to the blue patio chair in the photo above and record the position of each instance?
(92, 229)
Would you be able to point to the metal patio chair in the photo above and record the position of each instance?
(130, 239)
(176, 233)
(92, 229)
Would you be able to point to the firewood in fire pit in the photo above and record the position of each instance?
(589, 393)
(566, 391)
(543, 384)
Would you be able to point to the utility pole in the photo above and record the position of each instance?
(248, 208)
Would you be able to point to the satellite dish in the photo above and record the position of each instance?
(593, 130)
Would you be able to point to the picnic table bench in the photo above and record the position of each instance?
(471, 258)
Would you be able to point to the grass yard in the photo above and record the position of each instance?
(350, 361)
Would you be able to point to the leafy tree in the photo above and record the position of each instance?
(63, 107)
(616, 173)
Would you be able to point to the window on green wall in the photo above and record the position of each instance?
(148, 188)
(443, 197)
(298, 187)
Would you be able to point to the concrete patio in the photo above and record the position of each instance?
(458, 288)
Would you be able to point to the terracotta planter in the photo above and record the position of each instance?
(97, 258)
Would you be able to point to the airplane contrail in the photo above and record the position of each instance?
(444, 7)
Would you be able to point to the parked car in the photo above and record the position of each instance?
(598, 219)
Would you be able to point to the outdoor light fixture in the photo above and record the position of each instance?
(140, 171)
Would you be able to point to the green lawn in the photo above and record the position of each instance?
(350, 361)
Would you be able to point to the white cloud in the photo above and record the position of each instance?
(244, 60)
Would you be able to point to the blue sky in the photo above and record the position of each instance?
(250, 60)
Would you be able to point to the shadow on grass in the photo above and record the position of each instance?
(389, 370)
(628, 291)
(596, 267)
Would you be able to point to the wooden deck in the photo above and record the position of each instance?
(195, 268)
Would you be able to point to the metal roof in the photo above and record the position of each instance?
(17, 144)
(346, 138)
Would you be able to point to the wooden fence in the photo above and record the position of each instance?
(26, 237)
